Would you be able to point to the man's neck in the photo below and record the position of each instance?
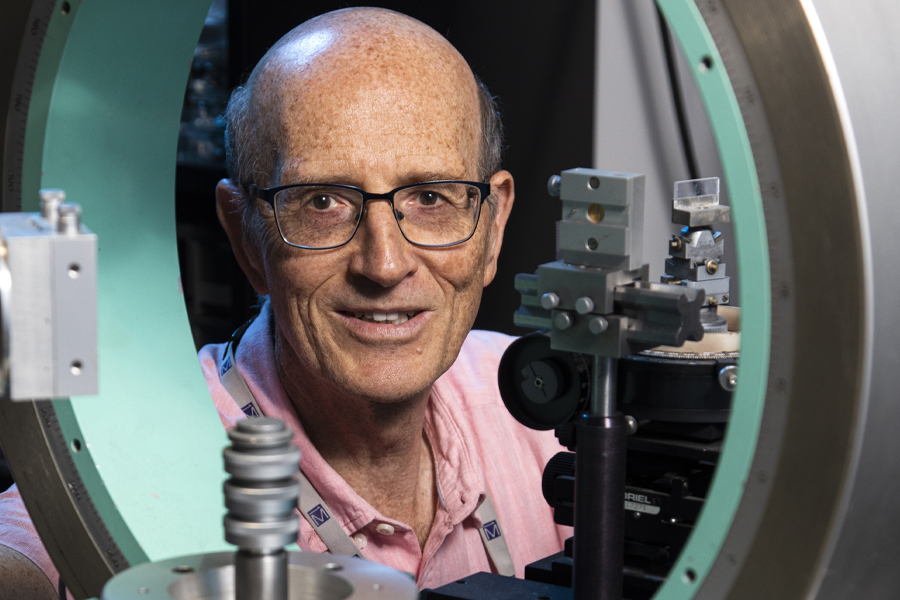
(378, 448)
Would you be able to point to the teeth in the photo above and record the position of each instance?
(389, 318)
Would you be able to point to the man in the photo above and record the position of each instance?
(363, 346)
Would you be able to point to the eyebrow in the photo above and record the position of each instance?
(411, 176)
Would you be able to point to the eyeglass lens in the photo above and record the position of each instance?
(430, 214)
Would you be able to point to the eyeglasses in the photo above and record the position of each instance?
(316, 216)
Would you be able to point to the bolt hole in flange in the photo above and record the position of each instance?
(74, 271)
(690, 576)
(76, 367)
(706, 63)
(66, 7)
(76, 445)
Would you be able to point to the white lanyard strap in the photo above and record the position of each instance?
(314, 509)
(493, 538)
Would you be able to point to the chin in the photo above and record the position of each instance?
(389, 386)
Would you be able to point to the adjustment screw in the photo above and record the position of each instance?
(712, 266)
(598, 325)
(51, 198)
(592, 244)
(584, 305)
(713, 301)
(549, 300)
(554, 185)
(675, 244)
(728, 378)
(724, 297)
(563, 320)
(631, 425)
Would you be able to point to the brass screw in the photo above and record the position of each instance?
(713, 301)
(712, 266)
(595, 213)
(675, 244)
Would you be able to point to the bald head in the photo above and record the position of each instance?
(358, 68)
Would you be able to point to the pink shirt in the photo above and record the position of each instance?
(477, 447)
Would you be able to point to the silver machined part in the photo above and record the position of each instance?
(256, 576)
(51, 198)
(584, 305)
(602, 218)
(696, 203)
(69, 222)
(598, 325)
(553, 185)
(261, 536)
(631, 424)
(261, 466)
(260, 498)
(562, 320)
(728, 378)
(255, 502)
(549, 300)
(712, 321)
(310, 576)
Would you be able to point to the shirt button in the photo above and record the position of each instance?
(384, 529)
(361, 540)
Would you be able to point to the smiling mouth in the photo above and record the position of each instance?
(385, 318)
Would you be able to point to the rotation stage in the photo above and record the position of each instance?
(800, 97)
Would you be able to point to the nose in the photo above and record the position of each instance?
(381, 252)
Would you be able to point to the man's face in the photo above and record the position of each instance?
(376, 132)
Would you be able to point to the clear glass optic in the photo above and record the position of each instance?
(323, 216)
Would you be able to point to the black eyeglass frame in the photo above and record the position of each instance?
(267, 195)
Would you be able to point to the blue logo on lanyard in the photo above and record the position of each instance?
(491, 530)
(319, 515)
(250, 410)
(226, 366)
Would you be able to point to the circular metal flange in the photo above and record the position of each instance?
(311, 576)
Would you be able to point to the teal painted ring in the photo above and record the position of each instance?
(162, 499)
(151, 439)
(733, 469)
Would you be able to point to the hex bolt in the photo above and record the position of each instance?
(563, 320)
(675, 244)
(728, 378)
(554, 184)
(549, 301)
(584, 305)
(712, 266)
(598, 325)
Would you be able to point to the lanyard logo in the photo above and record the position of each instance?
(491, 530)
(250, 410)
(319, 515)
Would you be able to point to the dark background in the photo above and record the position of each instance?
(537, 57)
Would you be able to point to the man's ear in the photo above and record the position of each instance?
(231, 216)
(503, 191)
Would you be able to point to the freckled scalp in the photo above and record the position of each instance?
(317, 72)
